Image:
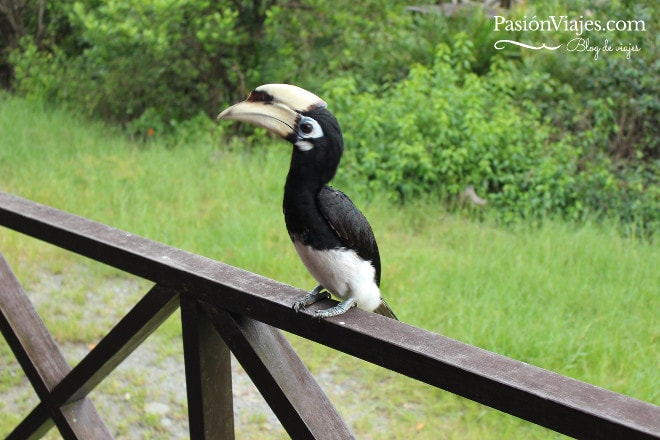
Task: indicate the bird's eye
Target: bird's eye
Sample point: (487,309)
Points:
(309,128)
(306,127)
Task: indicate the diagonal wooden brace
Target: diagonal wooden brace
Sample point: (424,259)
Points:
(280,375)
(45,366)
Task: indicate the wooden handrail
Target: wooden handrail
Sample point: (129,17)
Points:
(246,310)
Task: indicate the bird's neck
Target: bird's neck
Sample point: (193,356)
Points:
(307,175)
(306,183)
(299,205)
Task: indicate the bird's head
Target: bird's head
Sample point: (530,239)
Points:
(300,117)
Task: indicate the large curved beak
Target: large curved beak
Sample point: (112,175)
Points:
(276,118)
(275,107)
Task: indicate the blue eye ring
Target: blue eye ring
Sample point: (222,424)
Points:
(309,128)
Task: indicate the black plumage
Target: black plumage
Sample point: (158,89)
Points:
(350,225)
(332,237)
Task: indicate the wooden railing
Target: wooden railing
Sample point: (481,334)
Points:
(225,309)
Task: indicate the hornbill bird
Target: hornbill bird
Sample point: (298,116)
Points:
(332,237)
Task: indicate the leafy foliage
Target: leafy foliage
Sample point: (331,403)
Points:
(157,62)
(428,105)
(444,127)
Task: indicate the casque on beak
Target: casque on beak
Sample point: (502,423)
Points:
(275,107)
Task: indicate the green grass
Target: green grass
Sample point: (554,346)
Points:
(579,300)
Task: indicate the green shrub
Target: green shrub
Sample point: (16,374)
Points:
(159,62)
(40,75)
(444,127)
(607,110)
(157,56)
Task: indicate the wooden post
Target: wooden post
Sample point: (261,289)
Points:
(208,376)
(281,376)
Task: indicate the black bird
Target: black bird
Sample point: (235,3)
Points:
(332,237)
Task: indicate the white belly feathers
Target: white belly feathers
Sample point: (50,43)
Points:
(343,273)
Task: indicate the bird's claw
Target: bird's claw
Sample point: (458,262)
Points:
(315,295)
(297,306)
(318,294)
(339,309)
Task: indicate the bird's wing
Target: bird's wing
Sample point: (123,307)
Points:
(350,225)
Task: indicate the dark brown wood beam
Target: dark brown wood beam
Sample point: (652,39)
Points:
(208,376)
(142,320)
(557,402)
(282,378)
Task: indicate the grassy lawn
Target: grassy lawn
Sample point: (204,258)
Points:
(579,300)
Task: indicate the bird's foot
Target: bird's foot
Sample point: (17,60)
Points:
(315,295)
(339,309)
